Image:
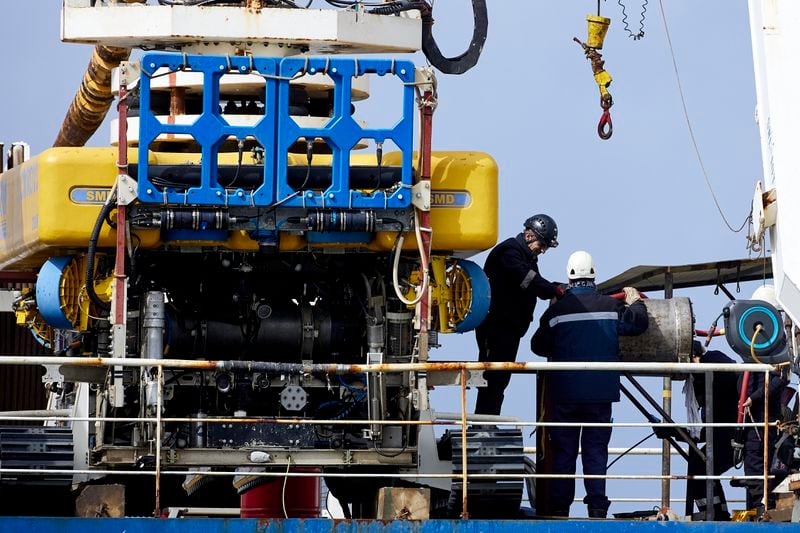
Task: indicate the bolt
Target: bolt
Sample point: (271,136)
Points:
(152,65)
(242,68)
(240,194)
(403,72)
(219,193)
(149,191)
(309,195)
(130,189)
(419,195)
(399,196)
(222,67)
(334,70)
(331,195)
(426,206)
(313,71)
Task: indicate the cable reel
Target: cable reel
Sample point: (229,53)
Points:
(754,329)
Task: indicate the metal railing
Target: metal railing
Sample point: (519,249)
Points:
(342,369)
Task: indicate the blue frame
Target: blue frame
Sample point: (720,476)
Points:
(210,129)
(277,131)
(342,133)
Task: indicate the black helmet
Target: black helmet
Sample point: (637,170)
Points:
(545,229)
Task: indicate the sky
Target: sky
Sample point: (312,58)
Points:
(531,102)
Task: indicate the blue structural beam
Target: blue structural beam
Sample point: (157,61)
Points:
(154,525)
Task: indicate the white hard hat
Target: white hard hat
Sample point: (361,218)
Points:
(580,266)
(766,293)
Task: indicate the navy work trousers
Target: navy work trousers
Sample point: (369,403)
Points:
(593,441)
(754,466)
(723,461)
(495,345)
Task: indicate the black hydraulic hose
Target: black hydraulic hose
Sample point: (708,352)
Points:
(98,225)
(462,63)
(626,452)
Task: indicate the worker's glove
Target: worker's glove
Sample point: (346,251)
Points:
(561,289)
(664,433)
(661,431)
(631,295)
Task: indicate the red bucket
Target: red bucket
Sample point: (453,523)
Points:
(301,497)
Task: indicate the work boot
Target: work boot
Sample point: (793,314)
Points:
(598,513)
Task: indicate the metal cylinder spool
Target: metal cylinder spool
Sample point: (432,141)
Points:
(668,338)
(399,335)
(153,325)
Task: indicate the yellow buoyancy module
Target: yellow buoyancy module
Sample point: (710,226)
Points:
(48,205)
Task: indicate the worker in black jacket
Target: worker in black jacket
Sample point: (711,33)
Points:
(584,326)
(513,271)
(725,393)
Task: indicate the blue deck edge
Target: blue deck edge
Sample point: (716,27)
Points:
(200,525)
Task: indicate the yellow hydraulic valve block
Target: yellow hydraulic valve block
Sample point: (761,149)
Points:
(27,314)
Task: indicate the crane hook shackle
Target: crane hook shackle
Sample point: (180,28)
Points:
(605,128)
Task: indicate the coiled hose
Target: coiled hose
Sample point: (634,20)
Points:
(448,65)
(461,63)
(105,211)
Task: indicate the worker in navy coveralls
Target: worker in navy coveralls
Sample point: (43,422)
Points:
(584,326)
(513,271)
(754,437)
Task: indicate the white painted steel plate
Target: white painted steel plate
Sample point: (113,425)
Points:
(319,31)
(248,84)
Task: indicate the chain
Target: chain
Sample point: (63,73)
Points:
(640,34)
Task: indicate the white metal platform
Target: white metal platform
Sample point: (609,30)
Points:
(272,31)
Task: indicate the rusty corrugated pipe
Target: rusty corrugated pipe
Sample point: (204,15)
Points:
(93,99)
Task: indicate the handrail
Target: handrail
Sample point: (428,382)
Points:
(337,369)
(404,475)
(352,422)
